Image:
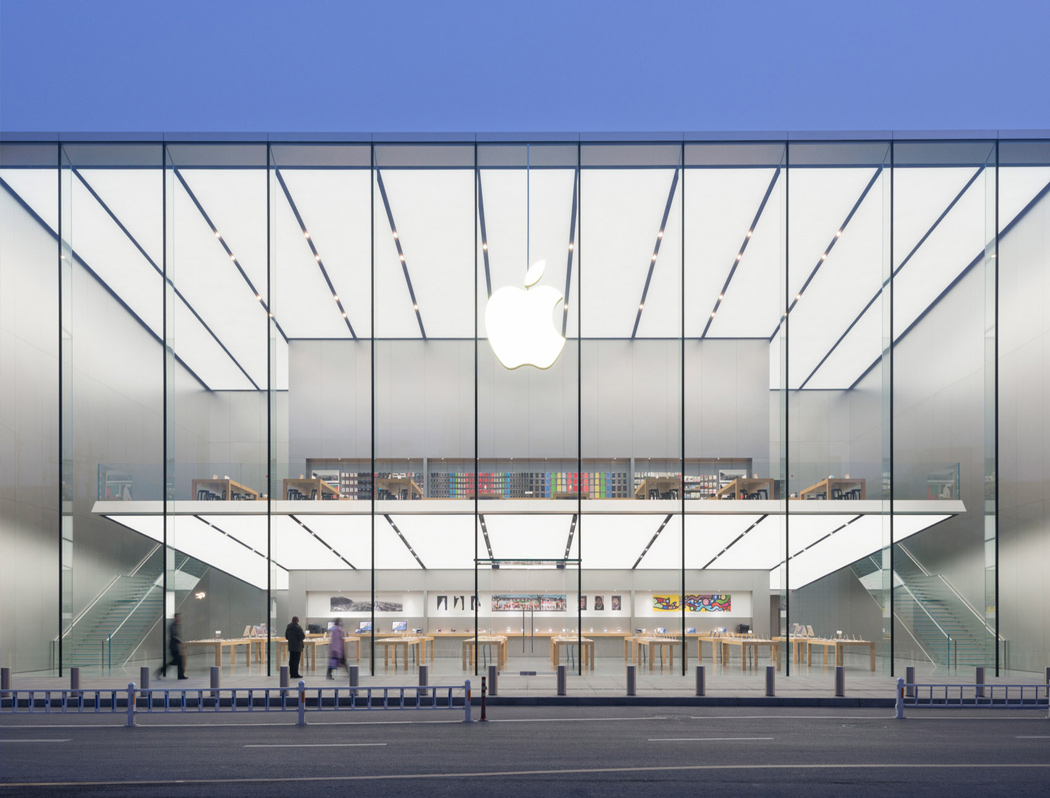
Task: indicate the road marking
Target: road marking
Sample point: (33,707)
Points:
(312,745)
(566,720)
(518,773)
(1034,737)
(34,741)
(702,739)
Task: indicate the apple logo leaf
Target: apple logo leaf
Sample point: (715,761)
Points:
(535,273)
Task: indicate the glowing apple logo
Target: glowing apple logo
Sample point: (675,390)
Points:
(520,325)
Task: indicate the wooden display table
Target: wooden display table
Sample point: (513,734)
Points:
(586,650)
(308,489)
(405,643)
(636,643)
(746,488)
(835,489)
(401,488)
(310,646)
(839,644)
(221,490)
(749,650)
(470,650)
(668,487)
(253,646)
(798,646)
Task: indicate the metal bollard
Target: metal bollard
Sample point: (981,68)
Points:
(493,674)
(216,671)
(1046,681)
(284,676)
(302,703)
(900,698)
(771,675)
(5,678)
(979,681)
(144,678)
(561,680)
(353,675)
(131,703)
(424,679)
(909,675)
(632,684)
(701,680)
(840,681)
(466,701)
(483,718)
(74,682)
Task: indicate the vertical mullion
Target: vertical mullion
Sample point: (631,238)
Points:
(786,387)
(889,349)
(61,412)
(681,422)
(995,410)
(270,321)
(164,403)
(372,409)
(477,210)
(579,416)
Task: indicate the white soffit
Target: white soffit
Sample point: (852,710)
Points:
(615,541)
(435,217)
(720,205)
(523,537)
(349,535)
(707,536)
(1017,187)
(621,218)
(441,541)
(136,198)
(335,205)
(761,548)
(38,188)
(527,219)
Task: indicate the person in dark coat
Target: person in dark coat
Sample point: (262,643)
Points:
(295,636)
(175,645)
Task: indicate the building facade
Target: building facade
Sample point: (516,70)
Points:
(525,388)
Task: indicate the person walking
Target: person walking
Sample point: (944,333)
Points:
(295,636)
(336,649)
(175,645)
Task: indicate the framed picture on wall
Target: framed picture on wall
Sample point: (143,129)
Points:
(583,602)
(599,604)
(616,604)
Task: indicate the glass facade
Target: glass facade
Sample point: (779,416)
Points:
(525,401)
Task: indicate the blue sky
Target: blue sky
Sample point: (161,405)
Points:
(264,66)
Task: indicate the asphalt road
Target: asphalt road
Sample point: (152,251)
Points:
(531,751)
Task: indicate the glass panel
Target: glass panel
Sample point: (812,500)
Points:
(31,508)
(217,534)
(837,527)
(940,402)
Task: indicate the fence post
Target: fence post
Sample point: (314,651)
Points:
(302,704)
(466,701)
(909,672)
(131,704)
(900,698)
(979,681)
(771,675)
(840,681)
(632,684)
(561,680)
(701,680)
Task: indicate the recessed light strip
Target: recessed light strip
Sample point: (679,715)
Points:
(400,252)
(656,251)
(735,540)
(740,252)
(827,250)
(229,252)
(572,532)
(235,539)
(652,540)
(485,535)
(322,541)
(160,271)
(484,237)
(313,250)
(895,273)
(408,545)
(572,249)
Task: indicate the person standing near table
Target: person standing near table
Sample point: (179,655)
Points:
(295,636)
(336,651)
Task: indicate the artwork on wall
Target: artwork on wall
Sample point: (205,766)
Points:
(718,602)
(583,602)
(344,604)
(442,602)
(515,602)
(617,604)
(599,604)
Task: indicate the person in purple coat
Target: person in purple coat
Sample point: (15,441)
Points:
(336,650)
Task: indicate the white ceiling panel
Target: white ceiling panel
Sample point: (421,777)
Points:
(1017,187)
(720,205)
(706,536)
(434,213)
(622,212)
(858,350)
(920,196)
(662,316)
(349,535)
(615,541)
(335,205)
(38,188)
(136,198)
(199,350)
(762,547)
(522,537)
(441,541)
(391,551)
